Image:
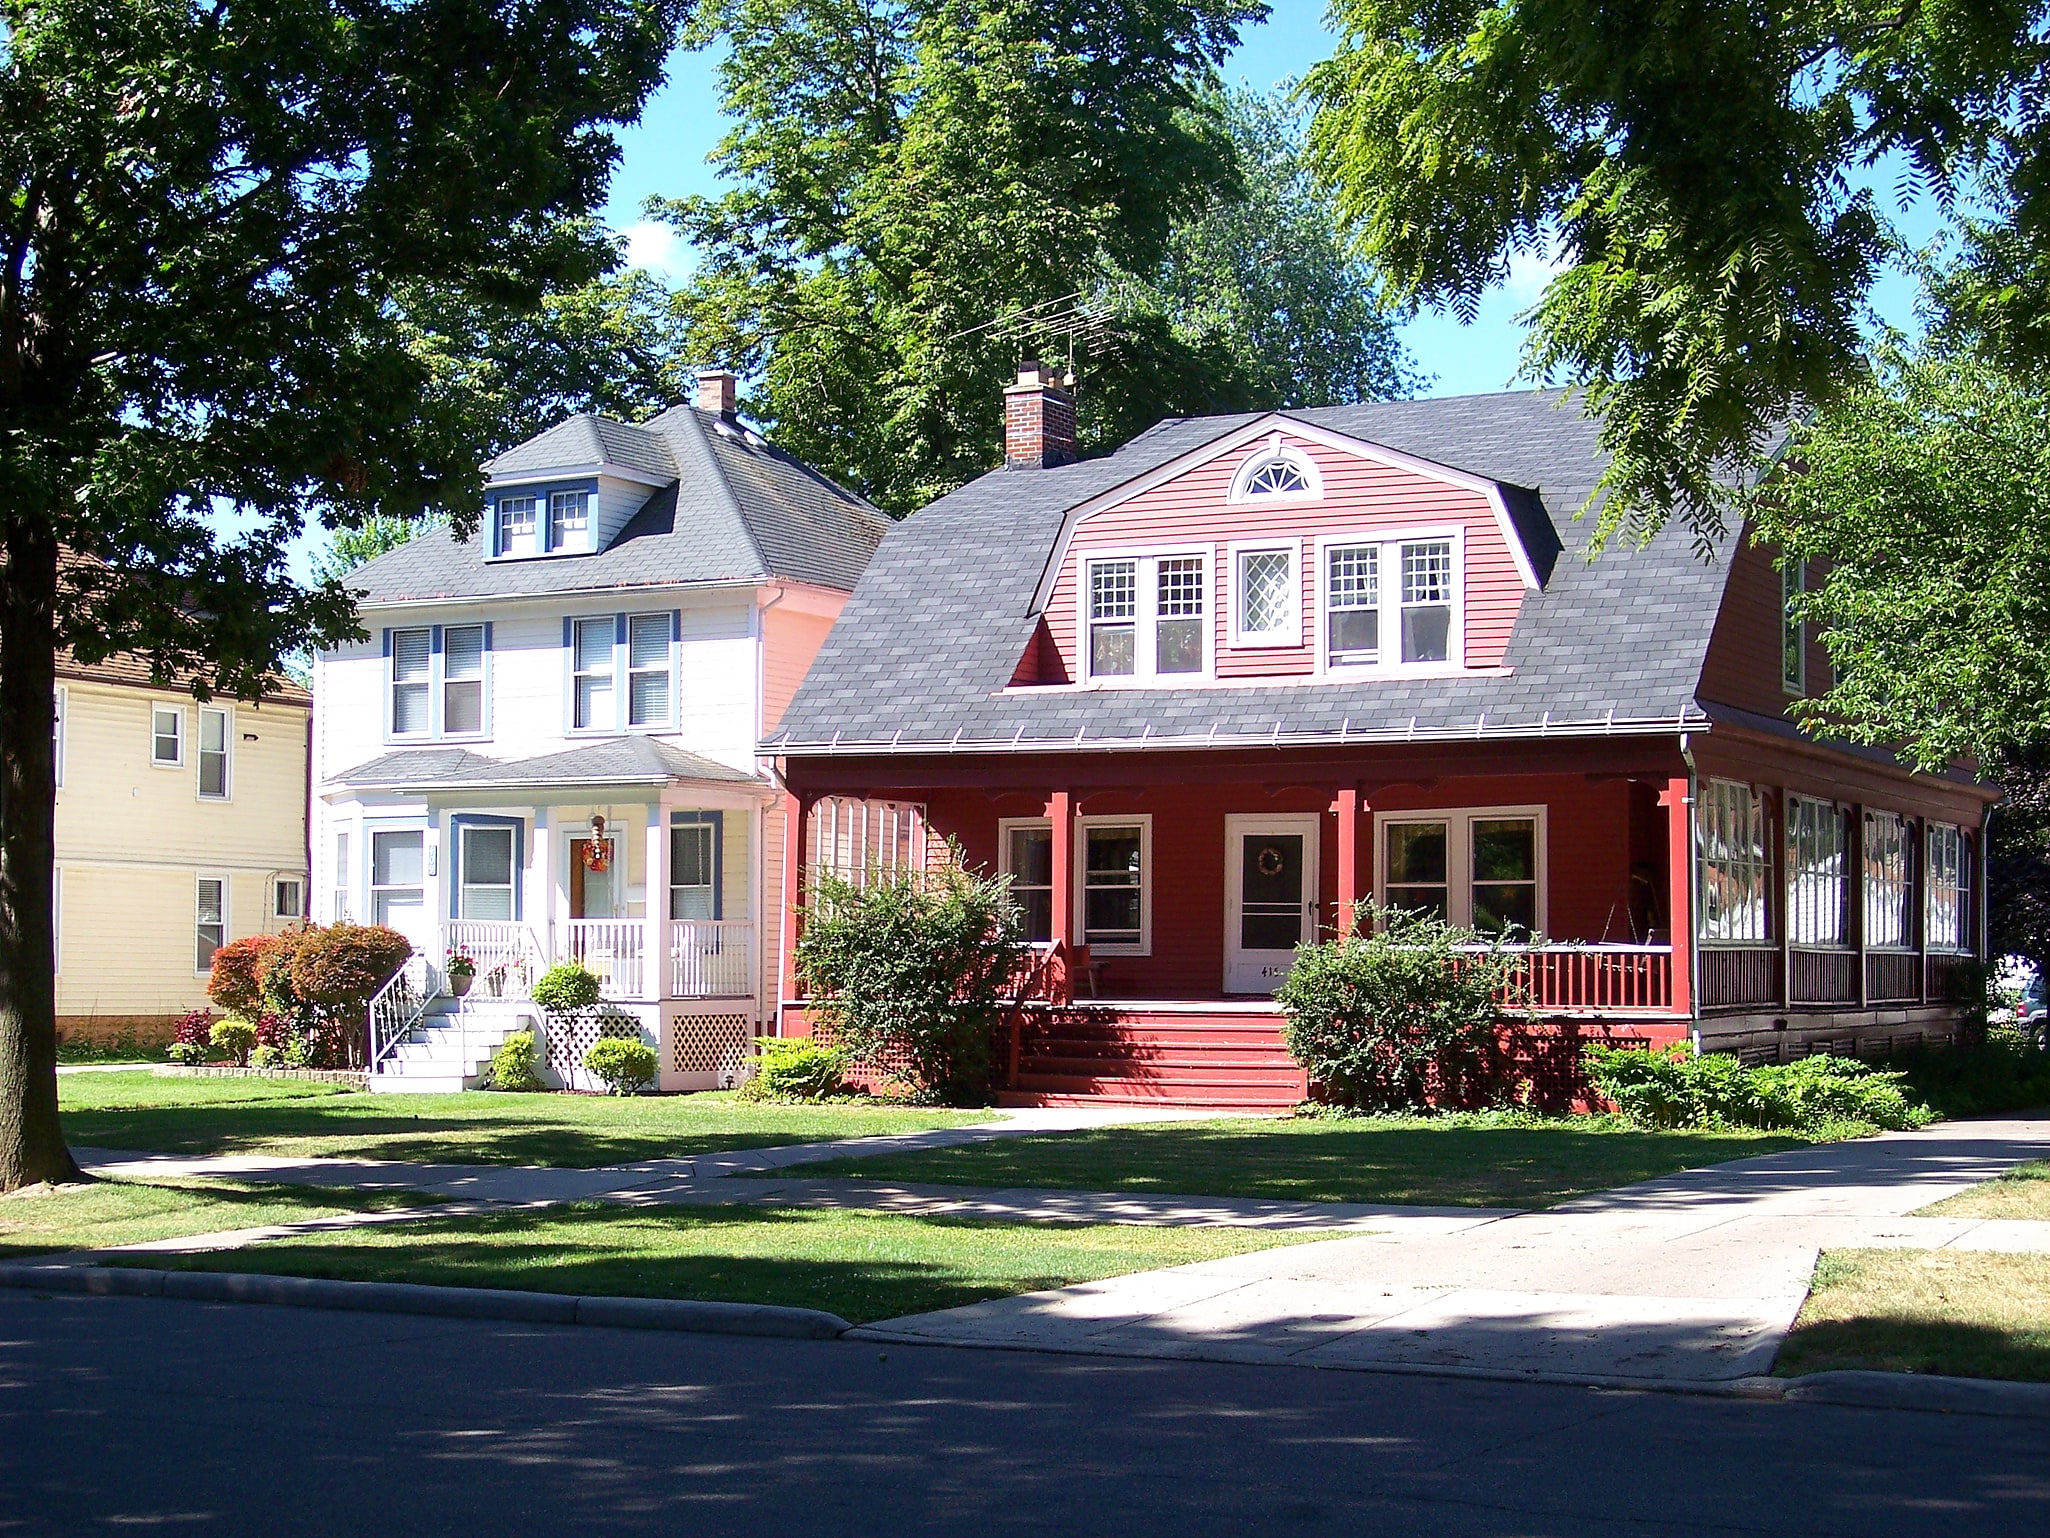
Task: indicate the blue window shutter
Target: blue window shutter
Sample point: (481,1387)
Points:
(434,640)
(676,625)
(718,822)
(387,641)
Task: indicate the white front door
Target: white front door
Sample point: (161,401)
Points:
(1270,902)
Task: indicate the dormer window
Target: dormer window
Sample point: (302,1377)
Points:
(1427,601)
(1391,603)
(1147,615)
(518,521)
(569,520)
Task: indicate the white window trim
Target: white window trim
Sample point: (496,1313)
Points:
(227,716)
(1275,449)
(275,883)
(626,709)
(1290,638)
(1005,825)
(430,882)
(391,684)
(1389,577)
(617,725)
(342,889)
(555,543)
(499,552)
(1144,646)
(61,709)
(1793,580)
(1143,821)
(178,713)
(1963,945)
(437,673)
(1459,821)
(227,923)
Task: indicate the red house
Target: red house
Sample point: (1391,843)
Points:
(1204,696)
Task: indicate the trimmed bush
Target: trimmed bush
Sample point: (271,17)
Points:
(1401,1015)
(516,1065)
(908,972)
(795,1069)
(235,1038)
(237,979)
(340,968)
(1822,1094)
(566,988)
(624,1066)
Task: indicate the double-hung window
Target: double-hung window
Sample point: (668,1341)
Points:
(57,737)
(1386,603)
(694,866)
(1949,864)
(342,906)
(1027,858)
(398,877)
(569,520)
(167,736)
(591,645)
(1818,872)
(288,898)
(518,525)
(1730,857)
(462,680)
(1889,883)
(1352,605)
(486,855)
(1114,885)
(210,920)
(412,666)
(647,670)
(1478,868)
(1427,601)
(213,754)
(1148,616)
(1267,598)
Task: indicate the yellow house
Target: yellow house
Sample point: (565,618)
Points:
(180,826)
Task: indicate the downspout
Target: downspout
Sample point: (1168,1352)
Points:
(1693,891)
(764,997)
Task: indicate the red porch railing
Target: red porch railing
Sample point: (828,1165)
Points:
(1566,979)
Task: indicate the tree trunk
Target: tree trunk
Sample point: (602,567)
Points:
(32,1145)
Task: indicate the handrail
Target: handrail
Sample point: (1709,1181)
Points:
(397,1007)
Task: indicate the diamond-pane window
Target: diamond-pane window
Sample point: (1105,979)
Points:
(1267,596)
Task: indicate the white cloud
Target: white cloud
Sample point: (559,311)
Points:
(658,248)
(1530,271)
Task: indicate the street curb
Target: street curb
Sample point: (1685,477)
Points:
(1922,1391)
(447,1302)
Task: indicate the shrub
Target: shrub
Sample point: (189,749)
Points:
(566,988)
(237,979)
(1822,1094)
(516,1065)
(910,969)
(1404,1013)
(2005,1072)
(261,1056)
(235,1038)
(624,1066)
(340,968)
(193,1041)
(795,1069)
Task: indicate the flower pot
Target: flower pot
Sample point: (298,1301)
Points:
(459,982)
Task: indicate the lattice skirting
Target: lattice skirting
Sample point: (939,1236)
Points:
(710,1044)
(569,1039)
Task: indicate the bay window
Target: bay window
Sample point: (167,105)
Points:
(342,907)
(1889,883)
(1818,853)
(1730,860)
(1147,616)
(1949,906)
(591,644)
(1480,868)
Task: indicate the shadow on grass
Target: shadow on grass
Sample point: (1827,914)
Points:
(91,1213)
(1951,1347)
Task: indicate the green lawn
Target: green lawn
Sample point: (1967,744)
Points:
(2023,1192)
(291,1117)
(1461,1162)
(99,1213)
(859,1265)
(1963,1312)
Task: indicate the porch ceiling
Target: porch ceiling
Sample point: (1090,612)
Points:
(638,761)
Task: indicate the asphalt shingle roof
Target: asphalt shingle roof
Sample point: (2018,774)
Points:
(734,509)
(925,648)
(615,761)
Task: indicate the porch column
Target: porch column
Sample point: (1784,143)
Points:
(1679,805)
(655,909)
(1347,806)
(795,808)
(1060,812)
(539,911)
(1854,866)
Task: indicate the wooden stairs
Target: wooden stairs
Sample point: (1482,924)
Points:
(1098,1054)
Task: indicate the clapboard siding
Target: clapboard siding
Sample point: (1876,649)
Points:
(1361,496)
(1742,664)
(790,639)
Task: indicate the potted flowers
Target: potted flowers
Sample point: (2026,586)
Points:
(461,968)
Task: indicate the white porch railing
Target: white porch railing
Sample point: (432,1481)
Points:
(708,959)
(611,949)
(398,1005)
(509,956)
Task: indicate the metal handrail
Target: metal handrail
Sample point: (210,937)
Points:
(398,1006)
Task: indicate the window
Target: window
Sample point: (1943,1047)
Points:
(1950,888)
(1481,868)
(853,838)
(1427,601)
(1147,616)
(167,736)
(1729,844)
(1113,885)
(211,920)
(1889,883)
(517,518)
(694,866)
(412,659)
(591,658)
(1277,478)
(1793,650)
(342,907)
(57,738)
(213,754)
(647,670)
(288,898)
(462,680)
(485,864)
(1027,858)
(398,870)
(1267,607)
(1352,605)
(1276,471)
(569,520)
(1818,838)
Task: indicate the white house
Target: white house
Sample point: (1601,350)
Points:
(545,748)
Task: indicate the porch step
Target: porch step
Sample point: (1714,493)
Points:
(1234,1061)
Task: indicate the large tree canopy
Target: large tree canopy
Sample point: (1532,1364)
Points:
(911,175)
(1700,170)
(208,216)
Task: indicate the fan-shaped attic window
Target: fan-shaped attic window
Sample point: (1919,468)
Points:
(1276,471)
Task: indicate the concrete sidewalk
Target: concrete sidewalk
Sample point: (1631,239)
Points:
(1694,1277)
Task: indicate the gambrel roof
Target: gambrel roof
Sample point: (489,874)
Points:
(923,655)
(731,507)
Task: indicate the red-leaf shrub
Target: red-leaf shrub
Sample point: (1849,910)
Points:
(196,1029)
(236,983)
(338,969)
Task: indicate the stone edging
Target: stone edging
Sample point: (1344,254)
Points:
(352,1076)
(447,1302)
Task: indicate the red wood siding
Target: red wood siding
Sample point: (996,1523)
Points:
(1360,496)
(1742,667)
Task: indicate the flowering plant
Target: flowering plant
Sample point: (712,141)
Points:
(461,963)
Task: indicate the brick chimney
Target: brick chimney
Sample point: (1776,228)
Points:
(1039,419)
(718,391)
